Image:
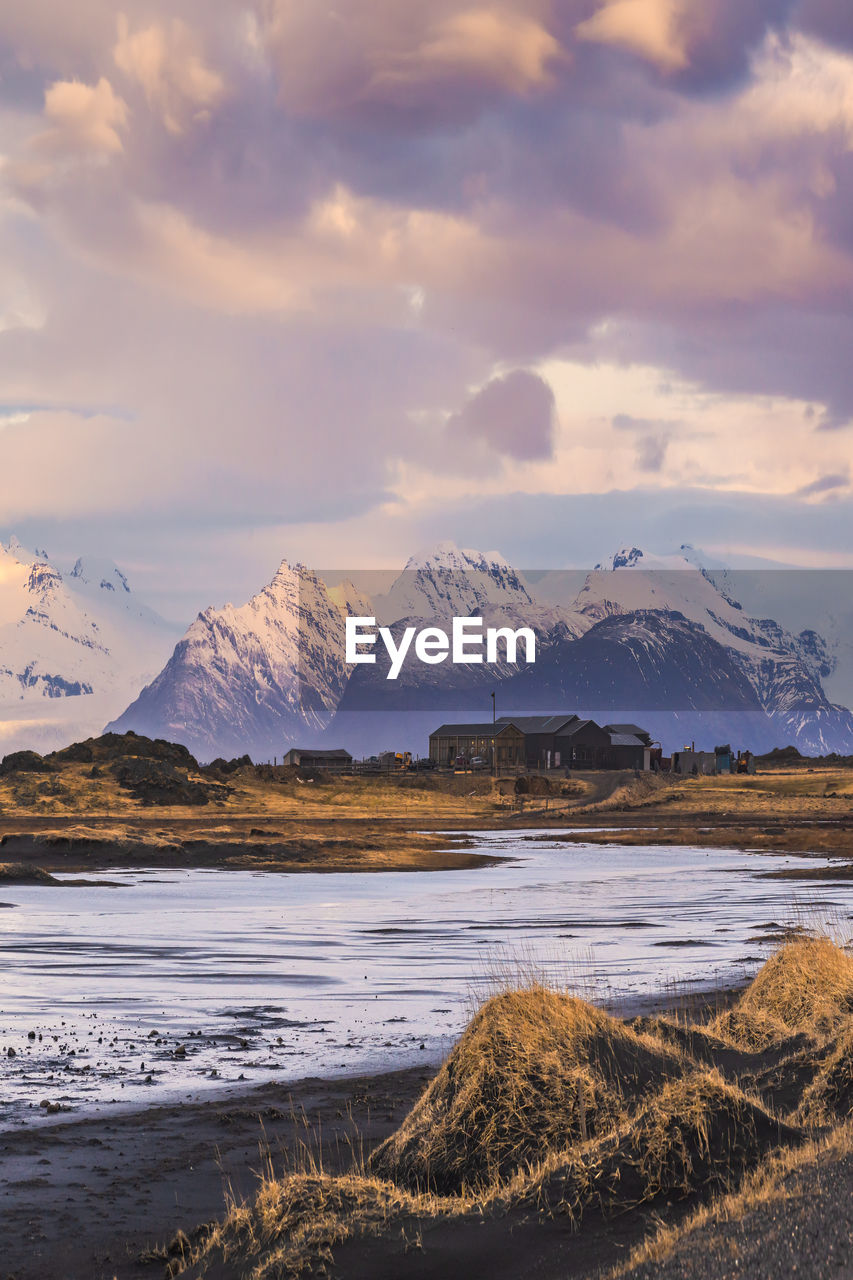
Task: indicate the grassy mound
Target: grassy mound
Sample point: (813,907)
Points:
(293,1224)
(829,1098)
(696,1137)
(806,987)
(535,1070)
(20,873)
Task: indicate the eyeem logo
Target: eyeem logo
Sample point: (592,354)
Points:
(465,644)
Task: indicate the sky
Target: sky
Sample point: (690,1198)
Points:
(286,279)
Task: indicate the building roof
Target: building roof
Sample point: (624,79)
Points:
(627,728)
(487,730)
(626,740)
(576,726)
(322,753)
(538,724)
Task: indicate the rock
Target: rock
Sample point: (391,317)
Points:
(120,746)
(161,782)
(24,762)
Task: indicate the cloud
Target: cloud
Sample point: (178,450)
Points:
(509,50)
(694,45)
(514,414)
(82,120)
(650,28)
(830,20)
(164,60)
(270,247)
(651,453)
(825,485)
(435,61)
(627,422)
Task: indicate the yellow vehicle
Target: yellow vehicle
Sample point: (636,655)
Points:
(396,761)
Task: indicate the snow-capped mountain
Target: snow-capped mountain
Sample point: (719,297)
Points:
(450,582)
(663,636)
(433,589)
(816,602)
(255,678)
(656,668)
(784,669)
(73,647)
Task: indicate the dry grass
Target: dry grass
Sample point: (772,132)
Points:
(536,1070)
(772,1180)
(548,1105)
(294,1223)
(829,1097)
(777,795)
(806,988)
(695,1136)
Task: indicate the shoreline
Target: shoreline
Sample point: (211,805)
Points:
(87,1197)
(332,845)
(84,1198)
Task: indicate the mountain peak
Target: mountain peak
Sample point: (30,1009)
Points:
(16,549)
(447,555)
(100,573)
(628,558)
(633,557)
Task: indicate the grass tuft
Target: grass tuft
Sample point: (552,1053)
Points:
(805,988)
(536,1070)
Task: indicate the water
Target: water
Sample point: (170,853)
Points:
(183,981)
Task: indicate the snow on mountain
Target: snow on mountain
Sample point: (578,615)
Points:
(73,648)
(351,600)
(785,669)
(449,582)
(254,678)
(810,603)
(272,672)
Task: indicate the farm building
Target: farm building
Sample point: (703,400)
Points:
(698,762)
(336,759)
(500,744)
(627,751)
(633,730)
(561,741)
(543,744)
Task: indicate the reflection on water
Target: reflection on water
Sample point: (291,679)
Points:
(182,980)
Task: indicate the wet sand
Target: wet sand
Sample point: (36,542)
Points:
(86,1200)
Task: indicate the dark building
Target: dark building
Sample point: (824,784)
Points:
(564,741)
(336,759)
(585,745)
(633,729)
(541,748)
(627,751)
(499,745)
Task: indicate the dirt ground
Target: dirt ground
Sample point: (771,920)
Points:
(409,822)
(85,1200)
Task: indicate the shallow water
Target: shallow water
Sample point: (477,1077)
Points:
(264,976)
